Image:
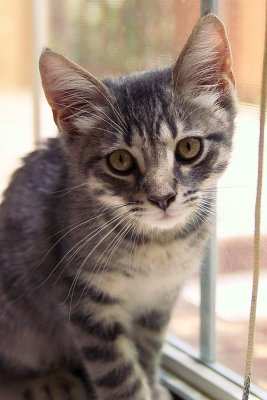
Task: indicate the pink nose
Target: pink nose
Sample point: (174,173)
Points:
(162,202)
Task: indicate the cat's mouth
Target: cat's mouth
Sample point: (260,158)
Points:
(166,216)
(162,219)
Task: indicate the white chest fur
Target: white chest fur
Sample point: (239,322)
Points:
(157,274)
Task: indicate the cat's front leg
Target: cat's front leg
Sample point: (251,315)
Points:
(149,334)
(110,358)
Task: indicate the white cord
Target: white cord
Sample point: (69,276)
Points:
(256,270)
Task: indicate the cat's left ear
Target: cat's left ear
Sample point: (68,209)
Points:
(205,62)
(70,90)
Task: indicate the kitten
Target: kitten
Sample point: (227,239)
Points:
(100,228)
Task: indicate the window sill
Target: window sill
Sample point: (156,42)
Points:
(190,379)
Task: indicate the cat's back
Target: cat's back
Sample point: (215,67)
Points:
(34,182)
(26,211)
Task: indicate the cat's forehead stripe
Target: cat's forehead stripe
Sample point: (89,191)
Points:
(165,132)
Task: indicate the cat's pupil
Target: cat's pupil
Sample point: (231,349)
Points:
(188,145)
(121,159)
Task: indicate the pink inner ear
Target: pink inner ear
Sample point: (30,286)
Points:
(206,58)
(225,52)
(69,88)
(222,67)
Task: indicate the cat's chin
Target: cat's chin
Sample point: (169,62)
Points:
(163,221)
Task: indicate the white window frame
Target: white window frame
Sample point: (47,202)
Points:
(187,376)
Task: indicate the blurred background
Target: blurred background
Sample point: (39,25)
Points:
(113,37)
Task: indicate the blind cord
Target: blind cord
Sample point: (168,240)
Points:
(256,270)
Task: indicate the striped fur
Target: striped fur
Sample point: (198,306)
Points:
(92,260)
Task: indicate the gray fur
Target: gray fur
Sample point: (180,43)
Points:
(90,268)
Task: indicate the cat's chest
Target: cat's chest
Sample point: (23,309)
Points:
(153,275)
(151,289)
(157,257)
(163,270)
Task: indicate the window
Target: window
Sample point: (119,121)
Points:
(117,37)
(235,224)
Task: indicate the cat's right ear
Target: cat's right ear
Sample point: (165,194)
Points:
(205,63)
(70,90)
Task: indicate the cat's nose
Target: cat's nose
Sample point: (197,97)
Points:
(162,202)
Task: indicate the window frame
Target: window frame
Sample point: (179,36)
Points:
(195,376)
(190,378)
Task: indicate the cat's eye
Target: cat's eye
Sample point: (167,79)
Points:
(188,149)
(121,161)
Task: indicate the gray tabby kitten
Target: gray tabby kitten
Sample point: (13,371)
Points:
(100,228)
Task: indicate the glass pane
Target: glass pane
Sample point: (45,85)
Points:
(236,199)
(119,36)
(235,226)
(235,219)
(235,204)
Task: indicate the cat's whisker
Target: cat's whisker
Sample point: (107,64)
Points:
(72,288)
(88,211)
(67,233)
(100,110)
(80,111)
(211,214)
(206,213)
(218,188)
(116,245)
(139,234)
(134,230)
(195,224)
(206,221)
(104,210)
(84,292)
(117,112)
(107,116)
(101,258)
(143,236)
(209,197)
(85,239)
(67,190)
(69,259)
(112,124)
(97,128)
(207,207)
(84,242)
(209,202)
(214,209)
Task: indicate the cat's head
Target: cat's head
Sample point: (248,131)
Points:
(156,141)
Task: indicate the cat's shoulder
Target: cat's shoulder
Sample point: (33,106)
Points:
(32,185)
(40,170)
